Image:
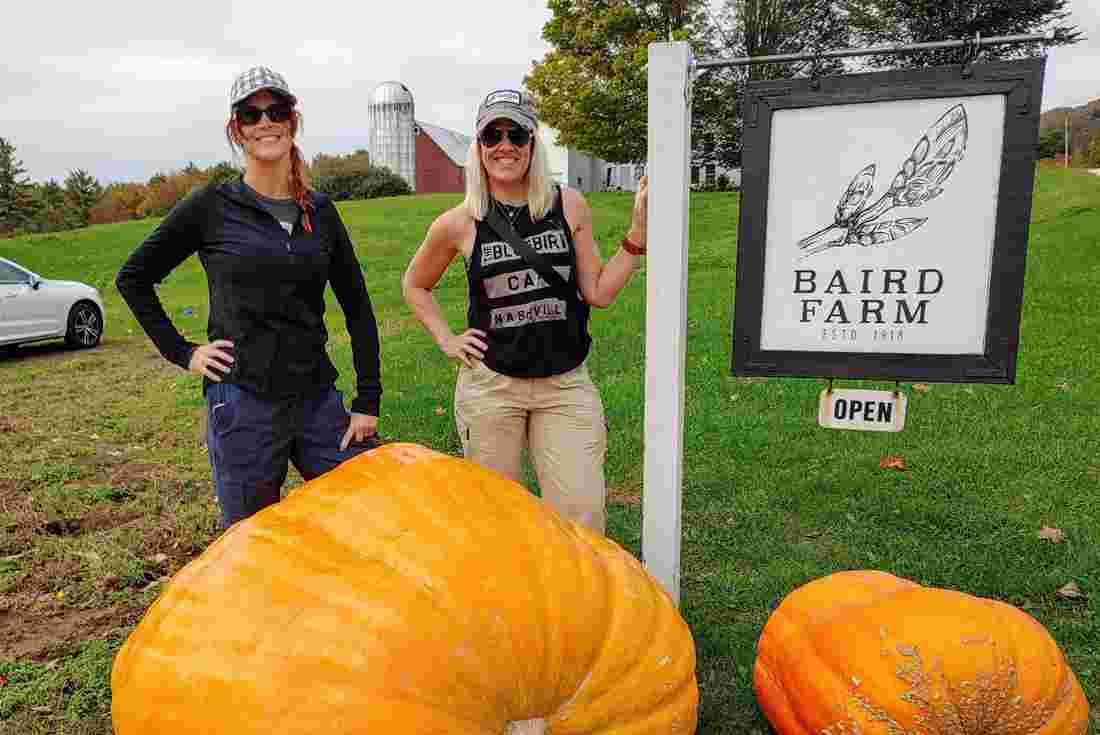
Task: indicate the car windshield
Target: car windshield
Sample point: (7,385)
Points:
(10,274)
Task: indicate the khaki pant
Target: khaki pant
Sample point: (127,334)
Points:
(560,419)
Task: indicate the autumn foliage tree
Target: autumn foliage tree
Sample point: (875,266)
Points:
(351,176)
(325,164)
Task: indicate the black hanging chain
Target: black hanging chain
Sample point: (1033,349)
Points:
(510,212)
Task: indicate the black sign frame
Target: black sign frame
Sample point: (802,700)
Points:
(1021,82)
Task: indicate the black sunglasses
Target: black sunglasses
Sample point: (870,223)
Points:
(277,112)
(517,136)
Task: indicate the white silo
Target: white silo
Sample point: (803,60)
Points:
(392,130)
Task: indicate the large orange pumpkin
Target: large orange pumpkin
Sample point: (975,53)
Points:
(408,592)
(867,652)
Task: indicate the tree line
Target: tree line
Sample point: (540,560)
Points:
(592,85)
(81,200)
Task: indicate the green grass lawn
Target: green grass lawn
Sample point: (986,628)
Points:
(104,445)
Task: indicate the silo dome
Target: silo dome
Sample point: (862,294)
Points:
(390,93)
(391,138)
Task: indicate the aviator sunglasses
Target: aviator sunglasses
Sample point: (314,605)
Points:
(277,112)
(517,136)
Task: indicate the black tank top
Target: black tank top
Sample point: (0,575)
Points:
(534,329)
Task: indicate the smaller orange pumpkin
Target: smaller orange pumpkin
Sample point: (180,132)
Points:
(869,653)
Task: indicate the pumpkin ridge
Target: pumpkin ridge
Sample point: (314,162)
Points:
(534,539)
(640,709)
(591,574)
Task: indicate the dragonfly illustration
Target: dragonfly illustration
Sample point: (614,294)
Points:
(919,181)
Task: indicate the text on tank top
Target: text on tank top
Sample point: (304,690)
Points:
(534,328)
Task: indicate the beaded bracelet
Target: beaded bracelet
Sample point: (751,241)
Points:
(632,248)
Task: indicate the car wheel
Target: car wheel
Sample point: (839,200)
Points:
(85,325)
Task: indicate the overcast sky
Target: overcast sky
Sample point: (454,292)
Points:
(124,89)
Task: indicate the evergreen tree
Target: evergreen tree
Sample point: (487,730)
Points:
(221,172)
(83,191)
(55,213)
(17,205)
(1051,143)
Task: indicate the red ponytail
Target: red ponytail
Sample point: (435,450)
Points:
(298,187)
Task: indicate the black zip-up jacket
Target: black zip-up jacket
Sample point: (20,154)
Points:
(267,292)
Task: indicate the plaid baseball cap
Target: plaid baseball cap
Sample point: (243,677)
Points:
(510,104)
(255,79)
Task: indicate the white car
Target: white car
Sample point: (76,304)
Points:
(33,308)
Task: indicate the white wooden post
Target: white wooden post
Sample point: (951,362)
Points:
(669,148)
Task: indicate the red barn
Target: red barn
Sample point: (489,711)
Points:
(440,159)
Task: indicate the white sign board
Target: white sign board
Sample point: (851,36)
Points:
(881,226)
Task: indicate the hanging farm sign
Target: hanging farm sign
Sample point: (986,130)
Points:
(884,224)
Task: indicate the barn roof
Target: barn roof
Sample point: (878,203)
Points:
(450,142)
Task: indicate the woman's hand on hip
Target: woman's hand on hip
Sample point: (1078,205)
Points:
(207,359)
(360,428)
(468,347)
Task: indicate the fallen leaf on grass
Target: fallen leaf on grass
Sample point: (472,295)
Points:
(1071,592)
(921,387)
(440,411)
(890,462)
(1056,535)
(1063,387)
(3,680)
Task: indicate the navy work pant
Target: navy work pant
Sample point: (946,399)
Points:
(251,439)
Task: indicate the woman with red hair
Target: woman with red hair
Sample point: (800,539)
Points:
(269,246)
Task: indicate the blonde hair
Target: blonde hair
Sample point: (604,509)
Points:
(540,187)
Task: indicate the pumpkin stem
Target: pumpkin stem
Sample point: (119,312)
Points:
(526,727)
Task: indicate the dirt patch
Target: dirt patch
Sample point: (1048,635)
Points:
(13,424)
(43,630)
(10,493)
(629,494)
(99,519)
(136,475)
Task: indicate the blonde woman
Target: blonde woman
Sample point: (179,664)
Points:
(269,246)
(523,379)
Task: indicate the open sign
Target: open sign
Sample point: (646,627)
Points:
(862,410)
